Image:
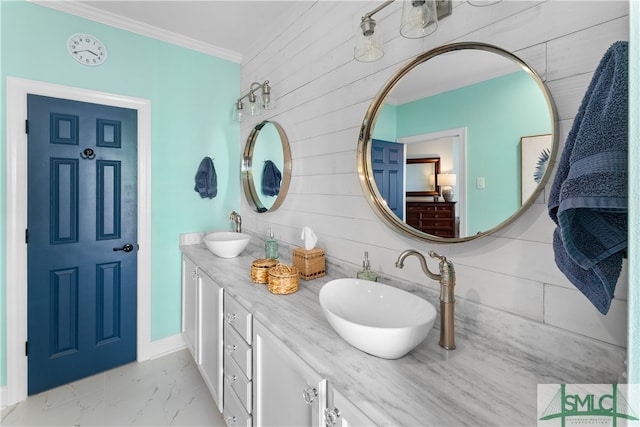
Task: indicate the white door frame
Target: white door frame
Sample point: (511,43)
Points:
(16,292)
(461,134)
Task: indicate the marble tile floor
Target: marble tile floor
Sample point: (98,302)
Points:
(167,391)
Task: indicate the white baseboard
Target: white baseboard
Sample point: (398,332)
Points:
(166,345)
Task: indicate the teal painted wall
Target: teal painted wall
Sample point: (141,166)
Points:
(191,96)
(511,103)
(386,123)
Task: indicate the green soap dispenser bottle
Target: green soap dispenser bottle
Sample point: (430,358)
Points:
(271,246)
(366,273)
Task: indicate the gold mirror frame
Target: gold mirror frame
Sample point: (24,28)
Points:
(250,191)
(365,170)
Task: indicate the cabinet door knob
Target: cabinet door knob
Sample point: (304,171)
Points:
(231,348)
(231,420)
(230,378)
(331,416)
(309,395)
(230,317)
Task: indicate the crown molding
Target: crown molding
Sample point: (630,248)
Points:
(131,25)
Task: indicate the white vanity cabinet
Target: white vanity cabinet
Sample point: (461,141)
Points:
(341,412)
(238,364)
(202,300)
(287,392)
(254,378)
(190,305)
(210,336)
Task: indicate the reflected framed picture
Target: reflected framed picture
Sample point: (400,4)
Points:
(534,158)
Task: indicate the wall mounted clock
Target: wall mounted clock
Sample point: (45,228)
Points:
(87,49)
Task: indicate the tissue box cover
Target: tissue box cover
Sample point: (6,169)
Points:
(310,263)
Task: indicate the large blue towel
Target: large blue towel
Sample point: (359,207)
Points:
(588,198)
(206,179)
(271,178)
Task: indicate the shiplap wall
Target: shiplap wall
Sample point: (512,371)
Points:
(322,96)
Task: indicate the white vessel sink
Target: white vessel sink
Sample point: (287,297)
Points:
(378,319)
(226,244)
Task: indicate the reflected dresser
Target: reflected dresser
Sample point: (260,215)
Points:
(435,218)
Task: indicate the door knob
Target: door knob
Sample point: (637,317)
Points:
(127,248)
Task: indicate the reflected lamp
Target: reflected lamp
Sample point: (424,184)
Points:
(446,181)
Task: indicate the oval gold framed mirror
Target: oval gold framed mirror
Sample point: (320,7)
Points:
(266,167)
(489,120)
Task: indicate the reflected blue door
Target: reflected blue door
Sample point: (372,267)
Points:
(82,214)
(387,163)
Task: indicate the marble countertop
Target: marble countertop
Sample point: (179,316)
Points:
(490,379)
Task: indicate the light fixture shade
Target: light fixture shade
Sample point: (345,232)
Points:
(368,42)
(253,109)
(447,179)
(267,101)
(238,113)
(419,18)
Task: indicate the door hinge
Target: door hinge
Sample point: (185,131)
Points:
(26,127)
(26,348)
(26,235)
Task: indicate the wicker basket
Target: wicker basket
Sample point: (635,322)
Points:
(283,279)
(310,263)
(260,270)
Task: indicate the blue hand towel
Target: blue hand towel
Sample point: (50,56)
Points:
(588,198)
(206,179)
(271,178)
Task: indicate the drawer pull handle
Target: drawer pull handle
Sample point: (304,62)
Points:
(231,348)
(230,317)
(309,395)
(331,416)
(231,420)
(230,379)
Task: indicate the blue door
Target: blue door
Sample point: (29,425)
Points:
(82,239)
(387,163)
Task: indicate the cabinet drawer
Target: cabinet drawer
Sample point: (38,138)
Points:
(237,349)
(238,317)
(419,208)
(236,379)
(234,413)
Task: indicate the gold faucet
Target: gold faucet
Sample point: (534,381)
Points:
(237,220)
(447,279)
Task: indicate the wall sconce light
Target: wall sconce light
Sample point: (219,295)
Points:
(254,105)
(419,19)
(446,181)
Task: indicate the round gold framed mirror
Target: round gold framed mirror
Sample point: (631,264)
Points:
(266,167)
(488,120)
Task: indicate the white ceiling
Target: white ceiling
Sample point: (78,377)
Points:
(231,25)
